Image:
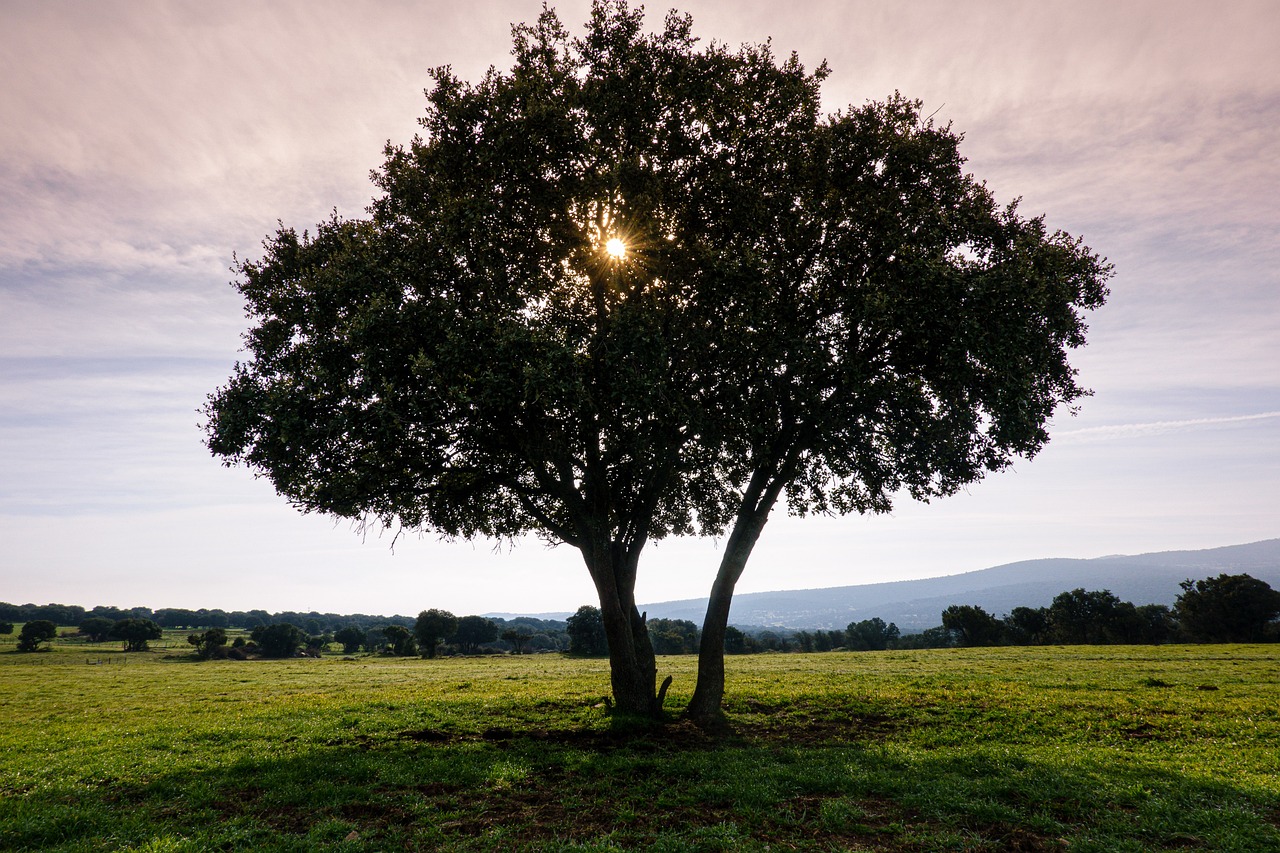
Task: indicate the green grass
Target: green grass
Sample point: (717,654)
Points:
(1109,748)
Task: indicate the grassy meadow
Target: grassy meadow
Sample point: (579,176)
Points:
(1079,748)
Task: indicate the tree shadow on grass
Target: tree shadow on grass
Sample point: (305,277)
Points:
(673,788)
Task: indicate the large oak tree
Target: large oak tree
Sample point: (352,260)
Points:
(636,288)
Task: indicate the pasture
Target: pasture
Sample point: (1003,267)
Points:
(1076,748)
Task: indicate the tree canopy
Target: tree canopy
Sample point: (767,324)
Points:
(433,626)
(635,288)
(1227,608)
(136,633)
(34,633)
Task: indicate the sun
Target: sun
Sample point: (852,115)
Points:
(616,249)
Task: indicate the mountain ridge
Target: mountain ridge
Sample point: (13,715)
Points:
(1149,578)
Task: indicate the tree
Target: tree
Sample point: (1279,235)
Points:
(870,635)
(632,289)
(97,628)
(1227,609)
(6,627)
(278,640)
(518,638)
(1158,624)
(352,638)
(473,632)
(400,641)
(1093,617)
(209,644)
(136,633)
(176,617)
(1027,626)
(673,636)
(735,642)
(972,625)
(586,632)
(34,633)
(432,627)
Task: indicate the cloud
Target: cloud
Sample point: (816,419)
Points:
(145,141)
(1141,430)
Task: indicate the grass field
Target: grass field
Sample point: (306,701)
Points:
(1083,748)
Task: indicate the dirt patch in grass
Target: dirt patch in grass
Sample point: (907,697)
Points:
(676,736)
(796,726)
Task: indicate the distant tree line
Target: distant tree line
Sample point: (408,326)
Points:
(433,632)
(1226,608)
(283,634)
(181,618)
(1222,609)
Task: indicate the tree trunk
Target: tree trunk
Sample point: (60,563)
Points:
(632,666)
(704,708)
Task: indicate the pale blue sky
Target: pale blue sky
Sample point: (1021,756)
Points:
(143,143)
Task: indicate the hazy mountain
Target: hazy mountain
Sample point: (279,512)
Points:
(915,605)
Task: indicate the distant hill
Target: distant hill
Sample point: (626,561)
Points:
(916,605)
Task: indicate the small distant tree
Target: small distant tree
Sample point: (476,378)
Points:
(1082,617)
(34,633)
(1158,624)
(6,627)
(473,632)
(972,625)
(870,635)
(97,628)
(209,644)
(352,638)
(212,618)
(432,627)
(586,632)
(317,643)
(735,642)
(1123,625)
(281,640)
(517,638)
(936,637)
(1027,626)
(136,633)
(176,617)
(673,636)
(400,641)
(1227,609)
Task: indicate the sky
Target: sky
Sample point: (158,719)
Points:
(145,144)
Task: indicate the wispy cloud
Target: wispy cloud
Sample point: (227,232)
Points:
(1140,430)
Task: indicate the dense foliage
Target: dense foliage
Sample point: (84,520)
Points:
(1228,608)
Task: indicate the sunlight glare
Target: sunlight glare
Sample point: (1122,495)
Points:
(616,248)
